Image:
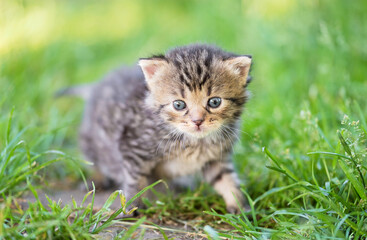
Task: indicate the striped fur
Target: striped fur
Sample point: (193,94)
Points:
(135,136)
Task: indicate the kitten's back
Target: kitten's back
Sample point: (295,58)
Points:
(119,84)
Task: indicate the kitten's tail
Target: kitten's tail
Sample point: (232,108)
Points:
(82,91)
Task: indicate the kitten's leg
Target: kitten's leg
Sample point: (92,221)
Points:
(224,180)
(132,184)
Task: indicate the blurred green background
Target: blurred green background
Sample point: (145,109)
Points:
(310,66)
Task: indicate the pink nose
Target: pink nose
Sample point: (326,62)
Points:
(198,122)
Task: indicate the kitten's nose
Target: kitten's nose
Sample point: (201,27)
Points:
(198,122)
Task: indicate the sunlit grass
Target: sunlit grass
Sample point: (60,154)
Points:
(340,198)
(22,170)
(302,162)
(34,26)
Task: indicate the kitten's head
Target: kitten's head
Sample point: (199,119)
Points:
(197,89)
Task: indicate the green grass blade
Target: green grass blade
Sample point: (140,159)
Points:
(8,130)
(278,190)
(345,145)
(329,154)
(119,211)
(126,235)
(361,117)
(142,192)
(92,205)
(356,184)
(281,167)
(212,234)
(273,158)
(252,206)
(352,158)
(9,156)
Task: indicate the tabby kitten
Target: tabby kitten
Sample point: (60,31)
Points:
(175,115)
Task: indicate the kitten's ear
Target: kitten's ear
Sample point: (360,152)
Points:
(239,66)
(151,66)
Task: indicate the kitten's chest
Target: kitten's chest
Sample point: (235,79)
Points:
(183,160)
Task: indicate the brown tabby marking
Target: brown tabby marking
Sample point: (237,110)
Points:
(135,133)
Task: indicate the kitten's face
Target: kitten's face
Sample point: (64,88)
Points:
(195,112)
(195,96)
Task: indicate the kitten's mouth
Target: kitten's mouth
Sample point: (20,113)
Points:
(199,132)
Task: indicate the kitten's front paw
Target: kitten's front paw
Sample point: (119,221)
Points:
(134,214)
(236,210)
(233,210)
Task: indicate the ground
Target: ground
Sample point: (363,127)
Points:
(172,229)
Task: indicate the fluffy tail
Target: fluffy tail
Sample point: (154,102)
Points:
(82,91)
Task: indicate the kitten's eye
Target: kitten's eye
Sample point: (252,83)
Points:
(179,104)
(214,102)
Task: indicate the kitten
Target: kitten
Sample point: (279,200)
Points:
(175,115)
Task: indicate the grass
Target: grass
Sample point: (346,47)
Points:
(334,208)
(20,172)
(302,155)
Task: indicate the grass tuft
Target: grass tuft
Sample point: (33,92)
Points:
(316,209)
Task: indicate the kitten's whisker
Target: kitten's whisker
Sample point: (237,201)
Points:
(233,132)
(220,142)
(170,143)
(169,140)
(174,142)
(249,135)
(181,149)
(228,135)
(164,138)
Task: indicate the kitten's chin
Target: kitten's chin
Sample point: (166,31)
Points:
(199,134)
